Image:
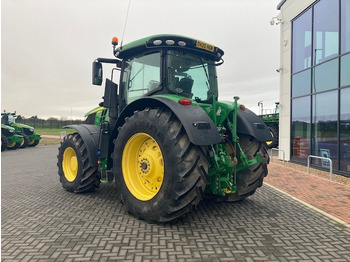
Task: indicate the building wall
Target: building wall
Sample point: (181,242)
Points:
(289,10)
(315,82)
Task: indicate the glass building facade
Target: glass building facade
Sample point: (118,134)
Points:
(320,84)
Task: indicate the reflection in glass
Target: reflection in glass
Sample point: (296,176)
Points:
(325,76)
(302,42)
(345,26)
(345,129)
(324,127)
(345,70)
(301,83)
(144,75)
(326,27)
(301,128)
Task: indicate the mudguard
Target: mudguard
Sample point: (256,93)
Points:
(250,124)
(199,127)
(90,135)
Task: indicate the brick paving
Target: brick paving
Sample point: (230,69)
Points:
(328,196)
(40,221)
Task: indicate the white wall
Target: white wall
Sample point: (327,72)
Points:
(289,10)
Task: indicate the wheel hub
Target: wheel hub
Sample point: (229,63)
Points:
(145,178)
(70,164)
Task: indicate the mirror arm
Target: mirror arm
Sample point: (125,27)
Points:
(117,62)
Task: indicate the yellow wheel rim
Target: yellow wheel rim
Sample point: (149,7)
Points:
(11,145)
(22,142)
(31,142)
(70,164)
(142,166)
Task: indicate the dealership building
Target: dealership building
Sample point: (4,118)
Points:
(315,81)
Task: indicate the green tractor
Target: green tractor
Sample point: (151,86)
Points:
(9,139)
(161,135)
(30,138)
(272,122)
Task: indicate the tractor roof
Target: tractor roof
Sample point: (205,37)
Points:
(170,41)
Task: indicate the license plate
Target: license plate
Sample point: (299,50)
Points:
(204,46)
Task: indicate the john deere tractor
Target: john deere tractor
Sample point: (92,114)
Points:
(161,135)
(9,139)
(272,122)
(30,138)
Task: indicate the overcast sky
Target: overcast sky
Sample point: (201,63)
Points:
(47,47)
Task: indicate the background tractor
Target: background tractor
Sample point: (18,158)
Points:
(30,138)
(9,138)
(272,122)
(162,136)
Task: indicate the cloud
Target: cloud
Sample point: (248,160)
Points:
(48,47)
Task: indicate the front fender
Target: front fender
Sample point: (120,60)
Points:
(90,135)
(199,127)
(250,124)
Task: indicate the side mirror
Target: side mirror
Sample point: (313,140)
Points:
(97,73)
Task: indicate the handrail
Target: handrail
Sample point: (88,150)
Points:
(276,149)
(323,158)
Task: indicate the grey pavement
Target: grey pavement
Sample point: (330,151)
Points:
(40,221)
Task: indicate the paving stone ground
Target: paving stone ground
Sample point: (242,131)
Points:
(40,221)
(330,197)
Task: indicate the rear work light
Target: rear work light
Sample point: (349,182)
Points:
(185,102)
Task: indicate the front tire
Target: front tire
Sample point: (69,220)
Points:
(4,142)
(74,168)
(33,143)
(13,145)
(160,175)
(274,134)
(25,140)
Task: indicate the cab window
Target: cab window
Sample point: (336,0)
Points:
(141,75)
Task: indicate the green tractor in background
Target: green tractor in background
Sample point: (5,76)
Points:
(9,139)
(30,138)
(272,122)
(161,135)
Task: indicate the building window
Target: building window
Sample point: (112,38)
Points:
(302,29)
(345,129)
(345,70)
(325,76)
(324,126)
(301,128)
(320,84)
(326,30)
(345,26)
(301,83)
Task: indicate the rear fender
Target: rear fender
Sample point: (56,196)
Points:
(90,135)
(199,127)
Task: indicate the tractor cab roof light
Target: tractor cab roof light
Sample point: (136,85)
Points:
(115,41)
(170,42)
(157,42)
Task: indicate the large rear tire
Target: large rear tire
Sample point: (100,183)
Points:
(249,179)
(3,142)
(76,173)
(160,175)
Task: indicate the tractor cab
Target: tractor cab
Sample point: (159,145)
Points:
(165,64)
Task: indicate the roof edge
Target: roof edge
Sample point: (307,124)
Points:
(280,4)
